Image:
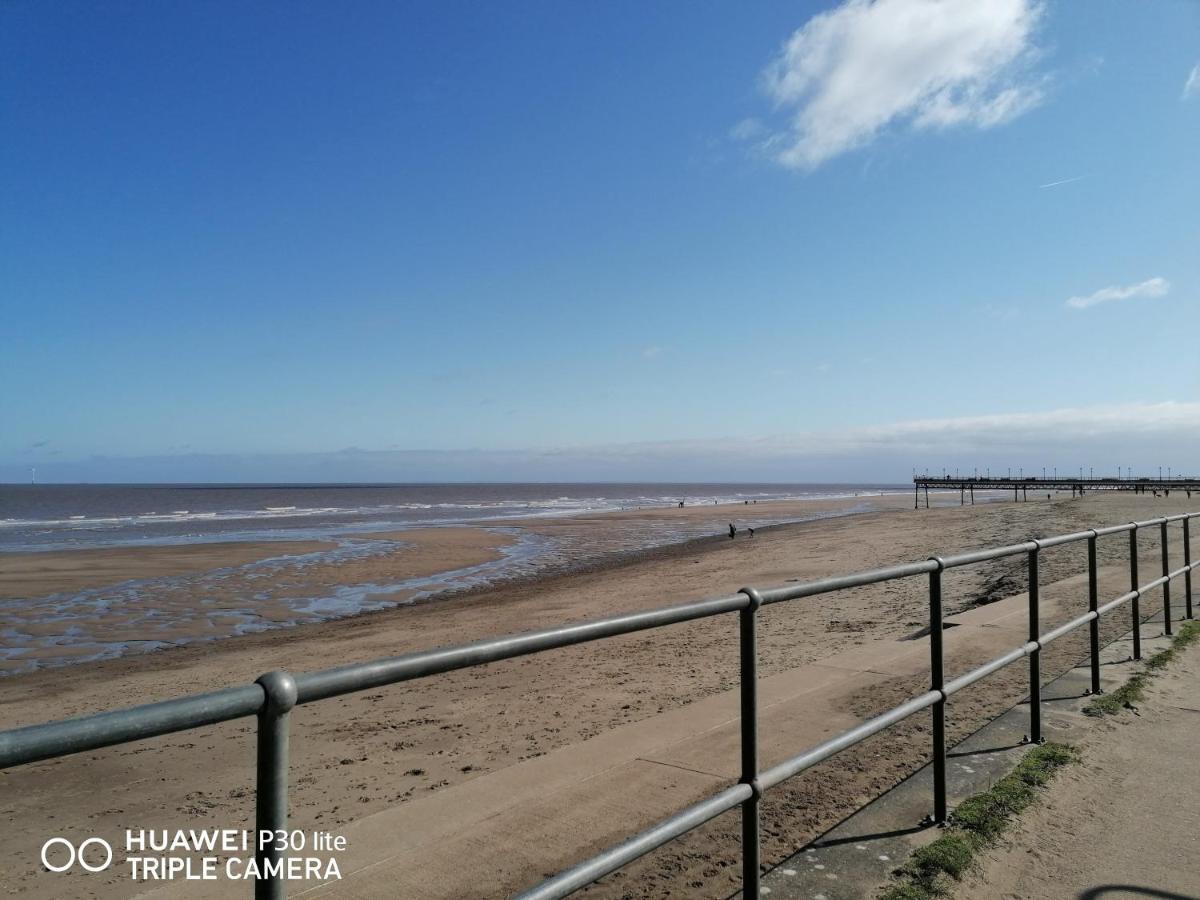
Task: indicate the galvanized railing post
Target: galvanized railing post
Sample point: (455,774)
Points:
(1166,570)
(1135,606)
(270,818)
(936,683)
(1093,605)
(748,670)
(1035,658)
(1187,562)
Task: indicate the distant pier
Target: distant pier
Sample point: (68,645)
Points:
(1021,485)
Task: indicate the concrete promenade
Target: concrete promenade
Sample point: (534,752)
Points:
(533,818)
(1126,823)
(520,823)
(856,858)
(546,813)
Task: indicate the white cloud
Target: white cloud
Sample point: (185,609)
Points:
(1051,184)
(1191,87)
(1100,428)
(1151,287)
(651,352)
(850,72)
(1051,426)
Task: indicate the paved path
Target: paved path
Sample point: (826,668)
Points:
(1126,823)
(505,830)
(536,817)
(856,858)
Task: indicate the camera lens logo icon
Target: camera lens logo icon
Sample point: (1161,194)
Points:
(55,850)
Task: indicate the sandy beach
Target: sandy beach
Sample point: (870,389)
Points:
(62,606)
(364,753)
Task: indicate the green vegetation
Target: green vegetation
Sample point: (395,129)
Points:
(931,870)
(1128,695)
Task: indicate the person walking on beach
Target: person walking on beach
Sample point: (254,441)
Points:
(732,531)
(751,530)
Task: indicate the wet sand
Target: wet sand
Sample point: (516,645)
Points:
(25,575)
(85,605)
(362,753)
(144,599)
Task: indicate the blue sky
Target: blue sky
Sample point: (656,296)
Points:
(713,240)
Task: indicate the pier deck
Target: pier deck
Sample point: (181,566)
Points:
(1022,485)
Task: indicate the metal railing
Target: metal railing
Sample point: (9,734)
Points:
(272,697)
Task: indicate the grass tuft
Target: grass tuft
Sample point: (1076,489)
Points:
(932,870)
(950,854)
(907,891)
(1133,691)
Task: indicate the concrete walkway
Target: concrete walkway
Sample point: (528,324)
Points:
(1126,823)
(527,821)
(534,818)
(521,823)
(856,858)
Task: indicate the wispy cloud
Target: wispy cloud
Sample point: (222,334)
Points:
(748,130)
(1191,87)
(1095,423)
(652,351)
(1064,181)
(1151,287)
(852,71)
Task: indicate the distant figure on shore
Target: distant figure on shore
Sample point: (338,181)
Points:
(732,531)
(751,530)
(681,504)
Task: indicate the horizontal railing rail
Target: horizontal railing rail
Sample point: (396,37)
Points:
(273,695)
